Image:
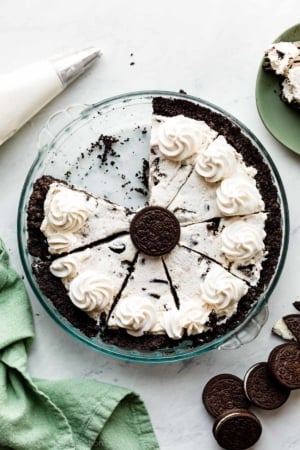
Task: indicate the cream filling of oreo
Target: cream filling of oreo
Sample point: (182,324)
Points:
(280,328)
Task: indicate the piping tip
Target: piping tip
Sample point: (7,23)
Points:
(71,65)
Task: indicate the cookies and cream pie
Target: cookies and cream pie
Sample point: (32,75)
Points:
(283,58)
(189,265)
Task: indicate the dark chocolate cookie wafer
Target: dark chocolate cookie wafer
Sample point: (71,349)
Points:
(284,363)
(238,429)
(297,305)
(155,230)
(262,389)
(224,392)
(292,321)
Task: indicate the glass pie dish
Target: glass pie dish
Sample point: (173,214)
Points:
(65,151)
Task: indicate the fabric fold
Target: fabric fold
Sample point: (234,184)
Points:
(69,414)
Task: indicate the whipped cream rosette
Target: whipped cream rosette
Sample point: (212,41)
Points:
(174,143)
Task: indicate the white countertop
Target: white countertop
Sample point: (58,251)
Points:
(212,50)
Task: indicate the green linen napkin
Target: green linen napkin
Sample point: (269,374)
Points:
(57,415)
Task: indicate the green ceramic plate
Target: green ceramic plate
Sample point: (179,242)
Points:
(282,121)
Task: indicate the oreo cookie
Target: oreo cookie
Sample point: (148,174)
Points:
(284,364)
(288,327)
(292,321)
(262,389)
(238,429)
(222,393)
(155,230)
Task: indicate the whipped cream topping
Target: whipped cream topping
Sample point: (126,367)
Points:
(190,318)
(205,238)
(243,242)
(179,137)
(147,282)
(237,196)
(92,293)
(73,218)
(171,323)
(93,277)
(137,315)
(221,291)
(291,85)
(61,242)
(69,266)
(218,161)
(66,210)
(281,56)
(193,318)
(210,287)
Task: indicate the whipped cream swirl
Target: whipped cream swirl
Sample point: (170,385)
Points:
(61,242)
(237,196)
(92,293)
(179,137)
(221,291)
(242,242)
(217,162)
(172,324)
(193,318)
(66,210)
(68,267)
(137,315)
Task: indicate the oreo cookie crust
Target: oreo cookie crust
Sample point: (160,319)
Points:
(222,393)
(284,363)
(237,430)
(262,389)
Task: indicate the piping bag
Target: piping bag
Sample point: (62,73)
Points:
(27,90)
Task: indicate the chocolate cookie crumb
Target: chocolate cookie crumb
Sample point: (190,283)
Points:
(297,305)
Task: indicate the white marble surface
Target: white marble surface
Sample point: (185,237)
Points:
(211,49)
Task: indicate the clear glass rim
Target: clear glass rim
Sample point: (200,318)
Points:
(151,357)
